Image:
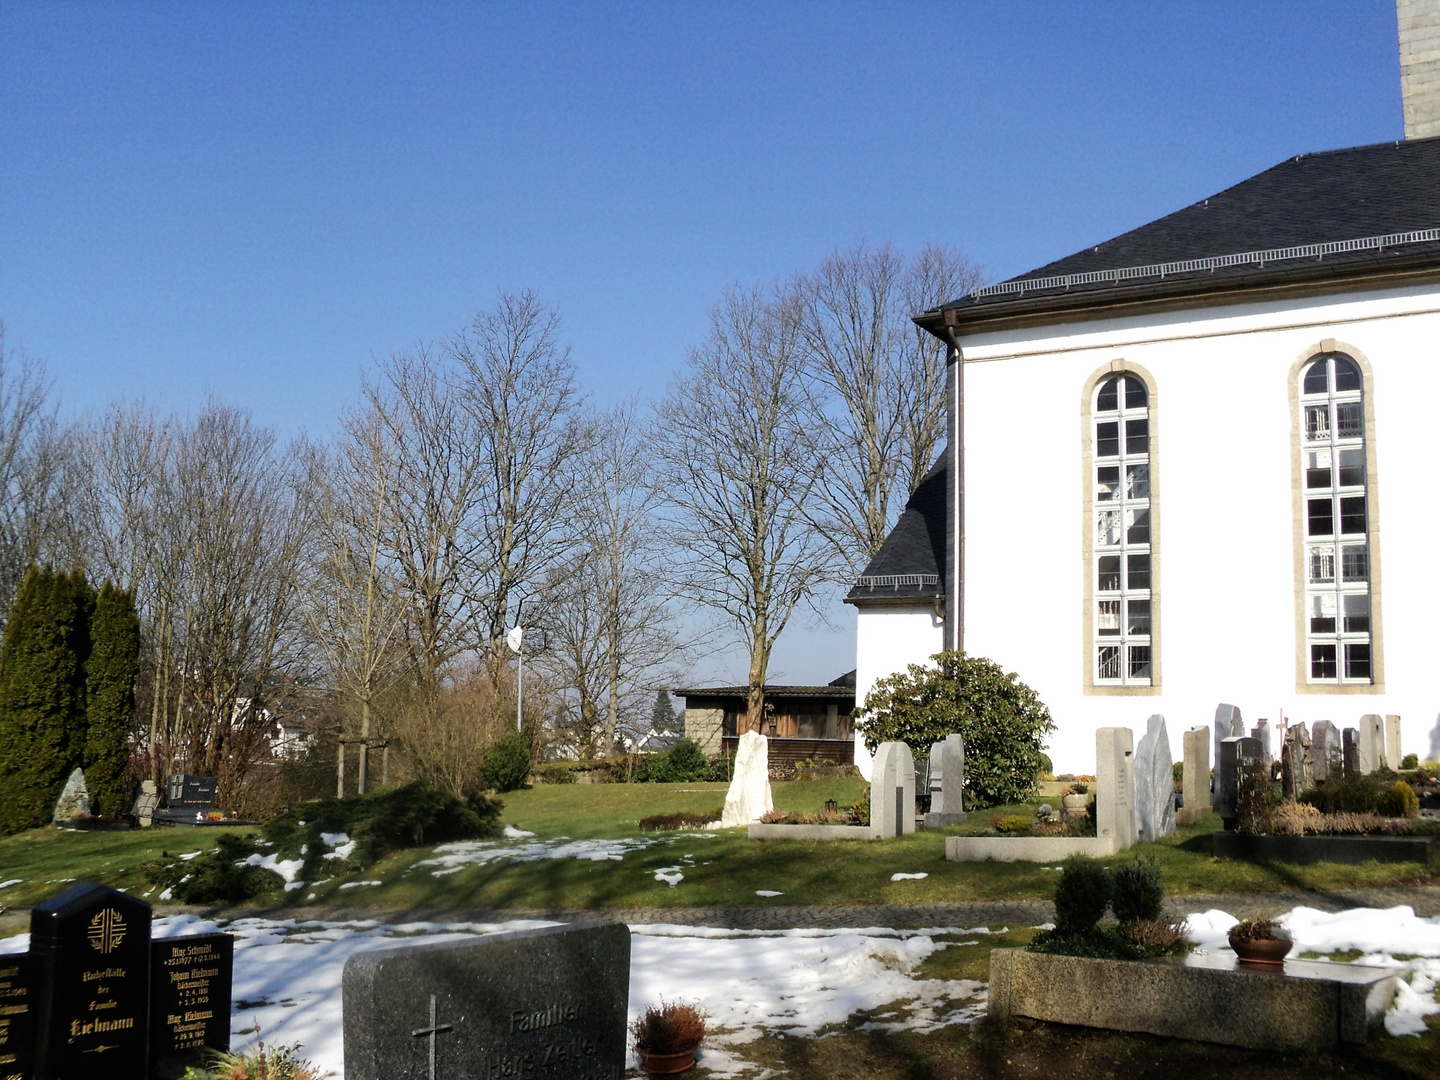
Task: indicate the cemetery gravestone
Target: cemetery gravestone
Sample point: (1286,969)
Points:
(190,979)
(1393,757)
(548,1002)
(1296,763)
(1154,783)
(892,790)
(748,798)
(1261,733)
(1228,725)
(1325,749)
(1372,743)
(1227,775)
(1350,739)
(74,801)
(17,1017)
(1195,780)
(1115,786)
(90,947)
(947,782)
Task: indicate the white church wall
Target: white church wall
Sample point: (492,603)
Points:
(1222,417)
(889,639)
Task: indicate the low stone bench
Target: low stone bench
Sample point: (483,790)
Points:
(1206,996)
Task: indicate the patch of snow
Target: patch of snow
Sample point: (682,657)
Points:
(286,868)
(187,856)
(167,894)
(456,856)
(768,892)
(908,877)
(512,833)
(341,843)
(671,875)
(12,881)
(357,884)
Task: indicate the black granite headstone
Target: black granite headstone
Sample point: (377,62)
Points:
(91,951)
(192,792)
(189,999)
(548,1002)
(17,1017)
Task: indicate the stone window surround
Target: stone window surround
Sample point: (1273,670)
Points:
(1087,532)
(1303,685)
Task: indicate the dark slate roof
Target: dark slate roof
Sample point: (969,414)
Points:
(915,548)
(848,679)
(1313,199)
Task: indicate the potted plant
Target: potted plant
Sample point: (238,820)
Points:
(1255,941)
(667,1036)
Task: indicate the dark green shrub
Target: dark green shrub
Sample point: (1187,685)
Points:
(1399,800)
(1410,761)
(216,876)
(1081,897)
(682,764)
(1348,795)
(1003,721)
(110,699)
(1012,823)
(860,808)
(507,763)
(1136,890)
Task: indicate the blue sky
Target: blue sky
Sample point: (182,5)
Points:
(255,200)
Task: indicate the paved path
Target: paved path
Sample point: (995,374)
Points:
(1425,900)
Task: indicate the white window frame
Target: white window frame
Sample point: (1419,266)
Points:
(1127,641)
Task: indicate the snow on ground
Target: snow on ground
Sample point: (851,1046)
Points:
(12,881)
(512,833)
(451,858)
(908,877)
(748,982)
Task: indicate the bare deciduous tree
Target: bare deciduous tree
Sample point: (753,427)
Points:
(876,384)
(739,474)
(609,629)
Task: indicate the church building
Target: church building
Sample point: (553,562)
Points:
(1189,465)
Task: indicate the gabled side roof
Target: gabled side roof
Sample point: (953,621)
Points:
(910,565)
(1342,215)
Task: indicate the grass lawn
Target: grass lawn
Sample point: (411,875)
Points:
(725,868)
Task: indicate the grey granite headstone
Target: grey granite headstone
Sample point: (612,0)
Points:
(1350,743)
(1253,768)
(947,782)
(892,790)
(1297,764)
(548,1002)
(1228,725)
(1325,748)
(1227,776)
(91,949)
(1372,743)
(1393,756)
(74,801)
(1115,786)
(1154,782)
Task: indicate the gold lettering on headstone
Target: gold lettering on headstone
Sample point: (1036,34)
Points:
(107,931)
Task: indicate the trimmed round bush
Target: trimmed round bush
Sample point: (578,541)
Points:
(507,763)
(1399,800)
(1136,890)
(1081,897)
(1003,721)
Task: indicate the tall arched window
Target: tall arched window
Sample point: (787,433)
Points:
(1122,549)
(1338,640)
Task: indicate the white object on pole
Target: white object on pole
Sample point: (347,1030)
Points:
(513,639)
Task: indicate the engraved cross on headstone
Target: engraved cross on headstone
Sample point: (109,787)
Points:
(430,1033)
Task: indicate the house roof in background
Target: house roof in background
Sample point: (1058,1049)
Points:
(910,565)
(1358,213)
(833,692)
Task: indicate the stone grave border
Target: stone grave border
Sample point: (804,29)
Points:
(1205,997)
(1304,850)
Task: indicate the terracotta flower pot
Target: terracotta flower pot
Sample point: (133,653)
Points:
(667,1064)
(1264,951)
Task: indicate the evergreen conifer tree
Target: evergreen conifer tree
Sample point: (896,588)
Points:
(110,699)
(42,694)
(662,716)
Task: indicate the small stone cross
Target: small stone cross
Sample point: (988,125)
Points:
(430,1033)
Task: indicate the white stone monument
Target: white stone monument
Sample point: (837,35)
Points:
(1372,743)
(1195,782)
(1115,786)
(1392,742)
(748,799)
(892,791)
(1228,725)
(947,783)
(1154,782)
